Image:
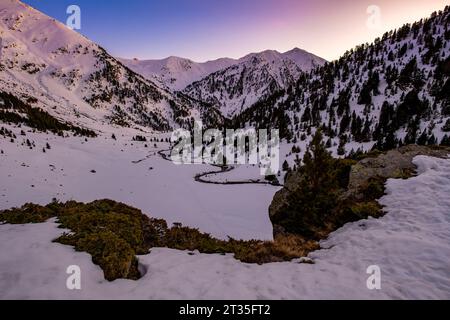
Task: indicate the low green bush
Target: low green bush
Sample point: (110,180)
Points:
(28,213)
(114,233)
(363,210)
(374,189)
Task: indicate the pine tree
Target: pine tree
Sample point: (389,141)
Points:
(286,167)
(423,139)
(341,149)
(345,122)
(317,163)
(365,97)
(445,141)
(432,140)
(413,127)
(316,195)
(446,127)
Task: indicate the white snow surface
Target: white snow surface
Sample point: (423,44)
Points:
(126,171)
(411,245)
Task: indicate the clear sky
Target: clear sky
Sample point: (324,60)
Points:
(208,29)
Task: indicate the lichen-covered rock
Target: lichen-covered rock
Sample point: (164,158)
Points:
(391,165)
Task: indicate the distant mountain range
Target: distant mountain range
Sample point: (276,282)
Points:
(174,72)
(178,73)
(229,85)
(255,77)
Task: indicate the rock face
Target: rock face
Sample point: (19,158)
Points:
(392,164)
(291,185)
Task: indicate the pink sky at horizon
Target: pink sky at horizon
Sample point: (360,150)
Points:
(203,30)
(345,25)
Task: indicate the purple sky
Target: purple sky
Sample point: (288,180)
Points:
(208,29)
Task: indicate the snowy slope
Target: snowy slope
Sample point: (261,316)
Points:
(306,61)
(253,78)
(174,72)
(177,73)
(129,172)
(391,92)
(411,245)
(75,79)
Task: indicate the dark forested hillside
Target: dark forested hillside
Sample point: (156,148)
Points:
(392,92)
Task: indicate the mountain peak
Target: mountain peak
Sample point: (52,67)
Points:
(304,59)
(252,78)
(70,76)
(296,50)
(266,55)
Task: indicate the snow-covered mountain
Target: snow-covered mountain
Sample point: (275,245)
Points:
(394,91)
(177,73)
(253,78)
(391,92)
(73,78)
(174,72)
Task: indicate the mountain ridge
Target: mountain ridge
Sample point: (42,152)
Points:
(255,77)
(73,77)
(177,72)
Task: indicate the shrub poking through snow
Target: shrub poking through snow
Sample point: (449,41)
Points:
(114,233)
(28,213)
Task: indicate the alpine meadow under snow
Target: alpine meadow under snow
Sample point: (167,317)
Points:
(77,124)
(411,244)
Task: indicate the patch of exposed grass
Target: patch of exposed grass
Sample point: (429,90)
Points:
(374,188)
(114,233)
(364,210)
(113,254)
(404,174)
(283,248)
(28,213)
